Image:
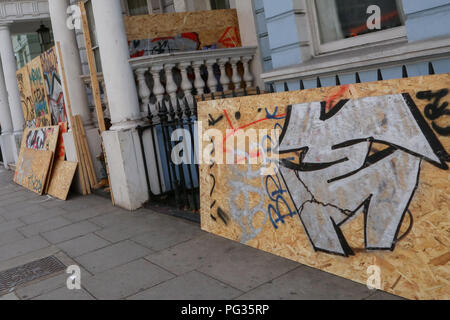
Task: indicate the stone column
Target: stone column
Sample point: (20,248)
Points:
(122,145)
(249,36)
(9,69)
(119,78)
(71,59)
(6,139)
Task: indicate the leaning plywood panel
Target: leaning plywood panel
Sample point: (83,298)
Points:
(32,169)
(350,180)
(44,138)
(26,97)
(62,177)
(39,95)
(183,31)
(53,86)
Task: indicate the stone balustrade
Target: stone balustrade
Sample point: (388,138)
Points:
(189,74)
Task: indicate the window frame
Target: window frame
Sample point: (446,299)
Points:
(383,37)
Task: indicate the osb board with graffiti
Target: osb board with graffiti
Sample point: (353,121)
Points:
(184,31)
(26,97)
(39,96)
(345,178)
(32,169)
(45,138)
(53,86)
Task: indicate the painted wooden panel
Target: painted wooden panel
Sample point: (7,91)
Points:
(39,96)
(344,179)
(32,169)
(61,179)
(169,32)
(53,86)
(26,97)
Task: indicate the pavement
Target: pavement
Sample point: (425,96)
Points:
(145,255)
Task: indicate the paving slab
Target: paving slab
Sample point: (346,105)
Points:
(82,245)
(10,297)
(192,254)
(305,283)
(190,286)
(161,236)
(88,213)
(44,226)
(10,236)
(40,287)
(112,256)
(70,232)
(44,214)
(381,295)
(22,247)
(246,268)
(127,229)
(65,294)
(126,280)
(115,217)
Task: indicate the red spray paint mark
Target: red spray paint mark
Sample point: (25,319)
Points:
(333,98)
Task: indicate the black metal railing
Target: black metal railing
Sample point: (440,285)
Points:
(170,183)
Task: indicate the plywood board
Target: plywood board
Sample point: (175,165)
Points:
(26,97)
(53,86)
(39,95)
(32,169)
(62,177)
(171,32)
(356,178)
(45,138)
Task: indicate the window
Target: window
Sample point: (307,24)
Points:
(342,24)
(220,4)
(137,7)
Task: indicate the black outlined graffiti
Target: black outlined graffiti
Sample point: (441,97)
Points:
(339,174)
(435,110)
(212,122)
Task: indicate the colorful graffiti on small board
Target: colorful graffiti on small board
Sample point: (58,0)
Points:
(39,96)
(26,97)
(54,90)
(359,178)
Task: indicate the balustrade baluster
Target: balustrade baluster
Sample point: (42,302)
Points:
(248,77)
(198,83)
(158,89)
(212,81)
(224,79)
(144,90)
(236,79)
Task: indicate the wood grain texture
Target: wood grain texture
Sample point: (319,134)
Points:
(419,265)
(211,26)
(32,169)
(62,177)
(26,97)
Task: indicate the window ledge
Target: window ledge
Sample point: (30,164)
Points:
(363,59)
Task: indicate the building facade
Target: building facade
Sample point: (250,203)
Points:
(286,44)
(322,39)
